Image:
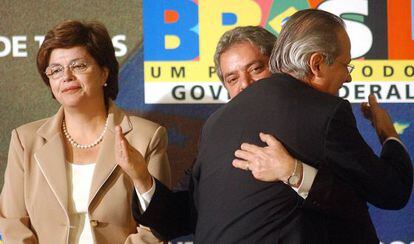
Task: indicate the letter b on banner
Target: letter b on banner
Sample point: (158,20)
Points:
(217,16)
(171,30)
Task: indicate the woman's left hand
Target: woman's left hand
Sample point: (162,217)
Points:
(132,162)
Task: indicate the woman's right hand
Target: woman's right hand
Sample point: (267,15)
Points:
(132,162)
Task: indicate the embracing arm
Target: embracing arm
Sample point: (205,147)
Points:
(274,163)
(14,219)
(169,214)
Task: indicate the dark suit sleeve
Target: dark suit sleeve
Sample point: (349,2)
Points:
(384,181)
(169,214)
(332,196)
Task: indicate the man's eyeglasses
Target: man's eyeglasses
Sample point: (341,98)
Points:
(349,67)
(56,71)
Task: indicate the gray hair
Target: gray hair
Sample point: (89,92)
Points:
(306,32)
(256,35)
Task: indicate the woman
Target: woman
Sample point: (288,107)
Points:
(62,182)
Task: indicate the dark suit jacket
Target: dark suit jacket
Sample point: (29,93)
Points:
(227,205)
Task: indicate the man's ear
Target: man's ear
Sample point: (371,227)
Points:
(315,64)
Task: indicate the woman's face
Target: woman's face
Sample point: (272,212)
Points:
(75,78)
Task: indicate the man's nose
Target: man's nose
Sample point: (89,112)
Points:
(246,81)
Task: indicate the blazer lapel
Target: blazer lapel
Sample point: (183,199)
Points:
(105,165)
(51,158)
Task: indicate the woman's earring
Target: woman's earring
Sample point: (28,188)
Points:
(105,85)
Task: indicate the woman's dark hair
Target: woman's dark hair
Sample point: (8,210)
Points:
(94,37)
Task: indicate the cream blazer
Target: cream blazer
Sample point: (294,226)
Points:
(34,199)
